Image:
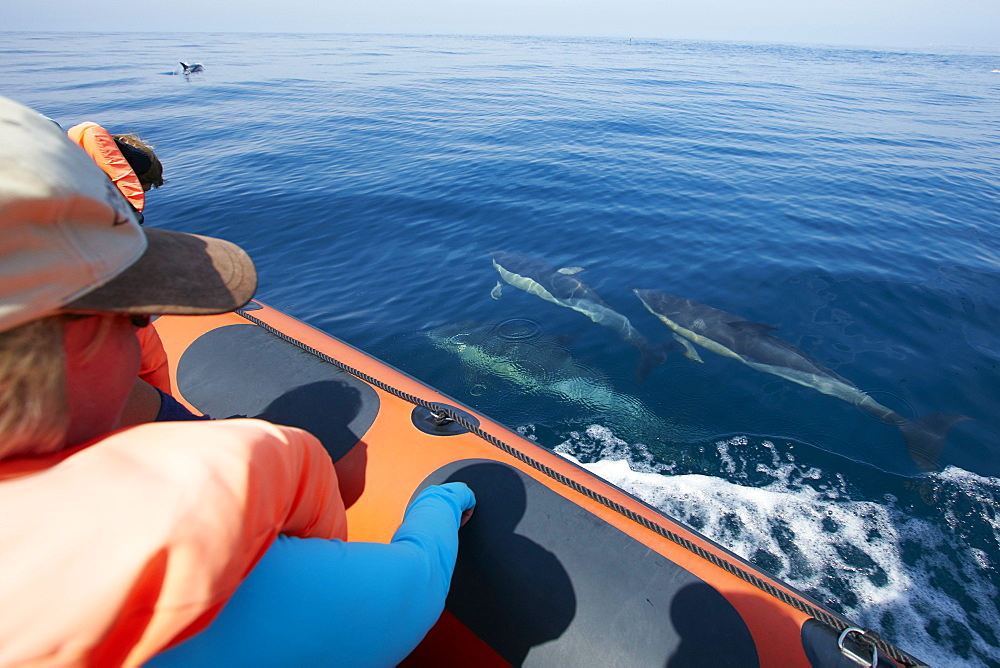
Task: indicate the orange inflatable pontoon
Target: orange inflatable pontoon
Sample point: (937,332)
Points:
(557,567)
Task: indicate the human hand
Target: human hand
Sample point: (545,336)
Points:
(465,498)
(466,514)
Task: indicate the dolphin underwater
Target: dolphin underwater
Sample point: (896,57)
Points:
(191,68)
(753,344)
(528,359)
(560,287)
(541,366)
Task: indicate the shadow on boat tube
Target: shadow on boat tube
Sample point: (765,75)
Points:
(241,370)
(545,582)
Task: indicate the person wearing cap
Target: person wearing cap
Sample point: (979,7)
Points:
(133,167)
(169,542)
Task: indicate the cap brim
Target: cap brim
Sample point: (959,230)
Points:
(179,274)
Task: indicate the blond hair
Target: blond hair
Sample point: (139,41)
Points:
(34,418)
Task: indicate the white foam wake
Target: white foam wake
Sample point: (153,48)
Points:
(916,579)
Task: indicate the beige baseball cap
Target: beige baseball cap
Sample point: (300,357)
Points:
(69,241)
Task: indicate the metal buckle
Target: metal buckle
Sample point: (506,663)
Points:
(851,653)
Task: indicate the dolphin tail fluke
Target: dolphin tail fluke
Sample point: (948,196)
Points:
(925,437)
(652,357)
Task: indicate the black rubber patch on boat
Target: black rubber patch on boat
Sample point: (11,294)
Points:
(243,370)
(435,425)
(544,582)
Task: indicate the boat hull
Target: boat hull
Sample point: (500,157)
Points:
(557,567)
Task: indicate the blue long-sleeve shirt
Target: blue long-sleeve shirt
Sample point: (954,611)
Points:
(312,602)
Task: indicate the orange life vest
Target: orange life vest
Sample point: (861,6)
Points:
(101,147)
(153,368)
(117,549)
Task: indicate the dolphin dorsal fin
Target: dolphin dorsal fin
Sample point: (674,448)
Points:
(569,271)
(748,325)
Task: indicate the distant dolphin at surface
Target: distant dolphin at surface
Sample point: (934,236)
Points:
(192,68)
(561,288)
(753,344)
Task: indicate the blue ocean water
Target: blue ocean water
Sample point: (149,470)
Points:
(847,196)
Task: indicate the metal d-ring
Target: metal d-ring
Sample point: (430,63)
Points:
(437,420)
(439,417)
(843,636)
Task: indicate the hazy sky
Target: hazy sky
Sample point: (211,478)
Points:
(921,23)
